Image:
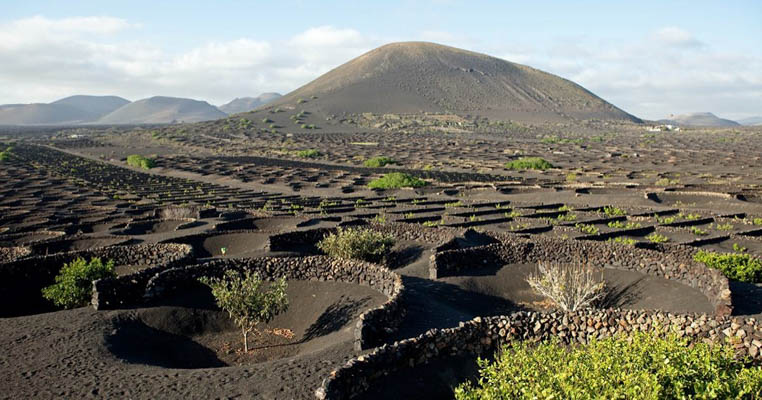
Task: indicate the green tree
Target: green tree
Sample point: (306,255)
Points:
(246,300)
(74,284)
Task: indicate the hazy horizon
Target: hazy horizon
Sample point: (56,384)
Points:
(651,60)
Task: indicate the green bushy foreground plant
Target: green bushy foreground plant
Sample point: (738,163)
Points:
(378,162)
(739,266)
(138,161)
(529,163)
(358,244)
(641,366)
(245,299)
(396,180)
(74,284)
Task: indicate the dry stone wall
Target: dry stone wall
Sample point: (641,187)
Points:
(484,335)
(22,280)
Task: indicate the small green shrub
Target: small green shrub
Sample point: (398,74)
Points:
(698,231)
(396,180)
(623,240)
(739,266)
(358,244)
(587,229)
(757,221)
(309,153)
(724,227)
(641,366)
(657,238)
(138,161)
(529,163)
(378,162)
(623,225)
(246,301)
(612,211)
(74,284)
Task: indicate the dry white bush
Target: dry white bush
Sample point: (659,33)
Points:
(571,286)
(179,212)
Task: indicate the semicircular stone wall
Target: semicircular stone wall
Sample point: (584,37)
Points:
(484,335)
(672,262)
(22,280)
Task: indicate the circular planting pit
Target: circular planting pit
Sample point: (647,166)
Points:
(65,245)
(139,228)
(26,238)
(235,243)
(22,280)
(188,330)
(625,289)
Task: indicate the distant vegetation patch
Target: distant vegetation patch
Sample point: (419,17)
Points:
(378,162)
(529,163)
(396,180)
(5,155)
(139,161)
(741,267)
(642,366)
(309,153)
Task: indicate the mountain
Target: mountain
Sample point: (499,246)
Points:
(752,121)
(160,110)
(244,104)
(412,77)
(699,119)
(98,105)
(67,111)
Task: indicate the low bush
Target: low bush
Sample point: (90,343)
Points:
(358,244)
(139,161)
(529,163)
(641,366)
(74,284)
(657,238)
(396,180)
(378,162)
(309,153)
(739,266)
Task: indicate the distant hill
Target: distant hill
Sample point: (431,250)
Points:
(70,110)
(699,119)
(751,121)
(159,110)
(412,77)
(244,104)
(98,105)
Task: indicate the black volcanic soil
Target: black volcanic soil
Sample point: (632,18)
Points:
(152,352)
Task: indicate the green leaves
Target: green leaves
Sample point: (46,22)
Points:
(378,162)
(359,244)
(739,266)
(139,161)
(396,180)
(247,303)
(74,284)
(642,366)
(529,163)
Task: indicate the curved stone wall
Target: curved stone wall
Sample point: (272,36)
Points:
(22,280)
(673,262)
(373,326)
(8,254)
(485,335)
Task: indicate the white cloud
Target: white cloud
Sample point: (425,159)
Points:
(666,71)
(675,36)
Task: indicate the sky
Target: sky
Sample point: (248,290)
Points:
(650,58)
